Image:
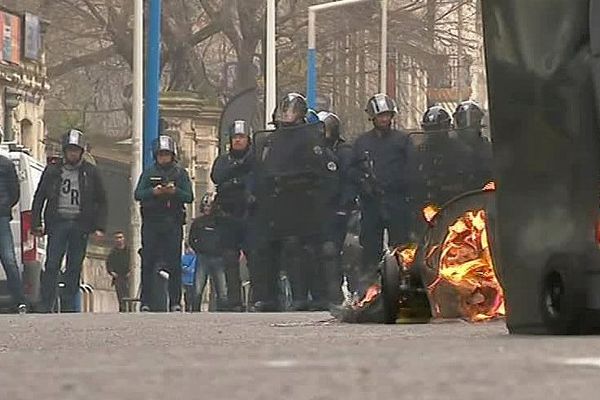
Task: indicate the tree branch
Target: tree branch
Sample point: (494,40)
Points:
(81,61)
(204,33)
(95,12)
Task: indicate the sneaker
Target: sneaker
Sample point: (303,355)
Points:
(22,309)
(145,309)
(176,308)
(163,274)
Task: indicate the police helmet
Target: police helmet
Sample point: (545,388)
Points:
(291,109)
(164,143)
(436,119)
(468,114)
(332,125)
(240,127)
(381,103)
(73,137)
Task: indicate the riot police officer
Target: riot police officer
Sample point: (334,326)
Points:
(163,190)
(291,164)
(379,171)
(69,204)
(232,173)
(468,126)
(436,120)
(339,202)
(434,173)
(439,158)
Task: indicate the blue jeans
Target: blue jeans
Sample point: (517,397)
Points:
(66,236)
(211,266)
(9,261)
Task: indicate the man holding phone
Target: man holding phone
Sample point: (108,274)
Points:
(163,190)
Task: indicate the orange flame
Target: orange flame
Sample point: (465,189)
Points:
(490,186)
(465,263)
(372,292)
(406,255)
(430,211)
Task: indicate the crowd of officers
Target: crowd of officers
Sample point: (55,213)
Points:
(283,201)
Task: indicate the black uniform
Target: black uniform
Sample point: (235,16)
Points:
(163,217)
(232,173)
(477,164)
(293,166)
(341,196)
(443,167)
(379,161)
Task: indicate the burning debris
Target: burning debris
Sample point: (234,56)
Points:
(451,274)
(465,265)
(406,255)
(429,212)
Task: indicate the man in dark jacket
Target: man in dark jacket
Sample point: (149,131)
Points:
(9,197)
(206,239)
(72,197)
(379,171)
(163,190)
(231,172)
(119,268)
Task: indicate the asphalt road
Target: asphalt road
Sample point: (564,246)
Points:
(283,356)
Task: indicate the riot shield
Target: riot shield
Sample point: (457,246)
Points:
(544,124)
(243,106)
(292,170)
(438,170)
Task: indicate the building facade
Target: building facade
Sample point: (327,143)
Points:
(23,80)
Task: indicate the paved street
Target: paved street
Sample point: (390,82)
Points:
(283,356)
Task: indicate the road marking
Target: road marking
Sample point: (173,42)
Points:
(582,362)
(281,363)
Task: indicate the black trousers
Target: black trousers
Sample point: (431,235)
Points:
(264,271)
(233,236)
(161,249)
(376,217)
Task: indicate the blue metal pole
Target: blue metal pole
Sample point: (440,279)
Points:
(152,91)
(311,78)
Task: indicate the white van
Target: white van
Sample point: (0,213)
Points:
(30,251)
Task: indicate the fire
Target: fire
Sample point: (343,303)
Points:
(406,255)
(465,263)
(490,186)
(372,292)
(430,211)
